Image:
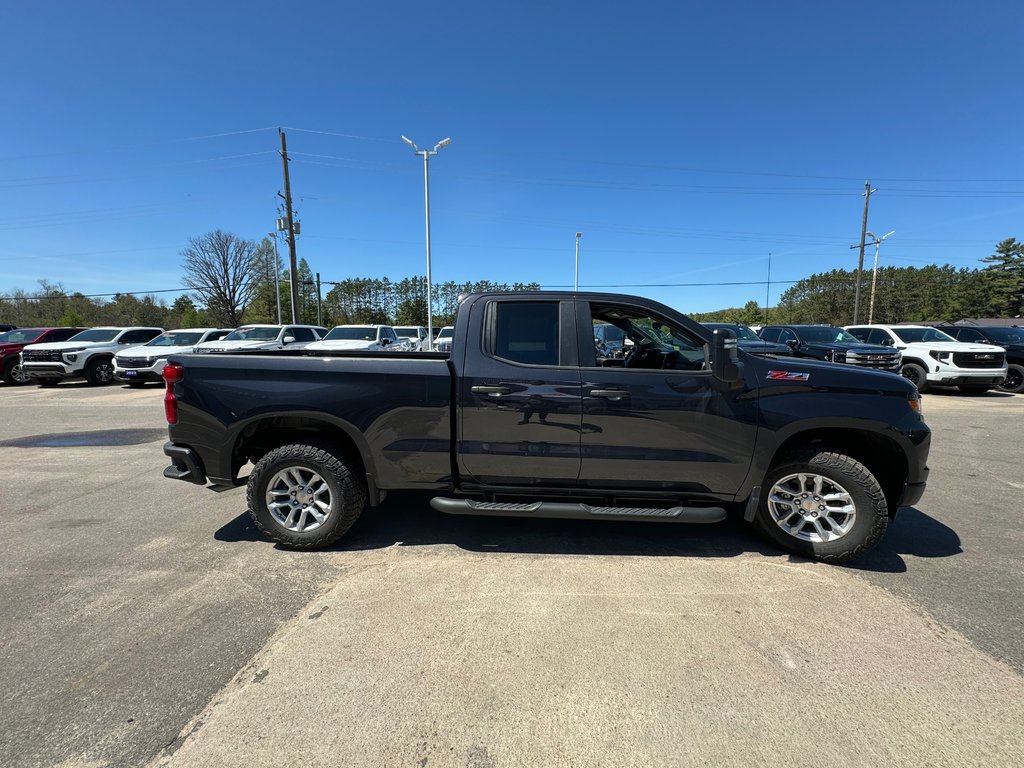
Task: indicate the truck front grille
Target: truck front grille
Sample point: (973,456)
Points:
(134,362)
(881,360)
(41,356)
(978,359)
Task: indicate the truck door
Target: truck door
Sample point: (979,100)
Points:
(519,395)
(657,420)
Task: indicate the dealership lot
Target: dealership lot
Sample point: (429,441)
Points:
(142,618)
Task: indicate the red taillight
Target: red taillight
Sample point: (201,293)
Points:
(173,372)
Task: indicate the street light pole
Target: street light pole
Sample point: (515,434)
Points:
(426,153)
(874,273)
(277,277)
(576,282)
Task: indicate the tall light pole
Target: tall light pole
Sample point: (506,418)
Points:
(277,277)
(426,153)
(874,272)
(576,282)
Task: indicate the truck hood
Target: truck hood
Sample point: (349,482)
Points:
(61,345)
(954,346)
(849,346)
(822,376)
(353,344)
(153,352)
(224,346)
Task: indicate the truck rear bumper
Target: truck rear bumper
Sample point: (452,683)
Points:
(185,464)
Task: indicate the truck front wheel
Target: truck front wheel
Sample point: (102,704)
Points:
(99,372)
(823,504)
(305,495)
(916,375)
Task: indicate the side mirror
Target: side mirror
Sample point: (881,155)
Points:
(289,339)
(792,343)
(725,364)
(385,341)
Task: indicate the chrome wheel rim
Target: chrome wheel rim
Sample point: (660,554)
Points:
(812,507)
(105,372)
(18,374)
(299,499)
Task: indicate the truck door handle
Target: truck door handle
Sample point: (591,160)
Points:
(494,391)
(611,394)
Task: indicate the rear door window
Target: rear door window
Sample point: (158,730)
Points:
(525,332)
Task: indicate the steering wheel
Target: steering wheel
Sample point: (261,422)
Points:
(670,358)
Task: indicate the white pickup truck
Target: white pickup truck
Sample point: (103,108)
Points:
(88,355)
(931,357)
(137,365)
(264,336)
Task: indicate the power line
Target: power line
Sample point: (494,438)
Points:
(342,135)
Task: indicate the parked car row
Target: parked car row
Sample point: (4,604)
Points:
(974,359)
(135,355)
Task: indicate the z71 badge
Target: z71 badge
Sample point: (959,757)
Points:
(788,376)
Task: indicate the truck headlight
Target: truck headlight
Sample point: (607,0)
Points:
(71,358)
(942,357)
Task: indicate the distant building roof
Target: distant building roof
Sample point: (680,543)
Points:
(999,322)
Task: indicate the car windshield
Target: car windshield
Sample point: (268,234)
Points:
(360,333)
(744,332)
(96,334)
(910,335)
(176,339)
(20,336)
(408,331)
(253,334)
(998,335)
(446,333)
(827,334)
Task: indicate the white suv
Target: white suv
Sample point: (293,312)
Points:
(415,334)
(931,357)
(362,338)
(263,336)
(138,365)
(88,355)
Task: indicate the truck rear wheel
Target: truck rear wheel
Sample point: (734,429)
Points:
(823,504)
(916,375)
(305,495)
(1014,381)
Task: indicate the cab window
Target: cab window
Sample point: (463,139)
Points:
(526,332)
(649,341)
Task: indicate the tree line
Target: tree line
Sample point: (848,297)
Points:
(231,281)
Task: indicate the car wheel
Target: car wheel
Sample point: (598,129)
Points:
(1014,381)
(305,495)
(916,375)
(823,504)
(14,374)
(99,372)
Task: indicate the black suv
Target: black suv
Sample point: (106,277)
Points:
(827,342)
(750,342)
(1009,338)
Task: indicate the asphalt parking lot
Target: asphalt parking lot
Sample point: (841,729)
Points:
(145,621)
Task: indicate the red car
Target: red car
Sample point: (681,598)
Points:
(12,342)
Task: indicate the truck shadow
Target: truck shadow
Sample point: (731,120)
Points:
(406,519)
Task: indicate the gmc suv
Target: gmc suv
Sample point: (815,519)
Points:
(88,355)
(1011,339)
(13,341)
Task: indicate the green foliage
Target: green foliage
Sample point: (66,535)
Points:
(1005,273)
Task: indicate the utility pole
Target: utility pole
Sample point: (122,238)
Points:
(318,320)
(868,191)
(576,282)
(293,264)
(768,288)
(277,277)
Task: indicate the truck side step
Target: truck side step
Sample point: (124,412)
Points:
(577,511)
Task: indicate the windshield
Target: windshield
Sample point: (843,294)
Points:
(253,334)
(179,339)
(20,336)
(96,334)
(409,331)
(744,332)
(446,333)
(825,334)
(360,333)
(998,335)
(911,335)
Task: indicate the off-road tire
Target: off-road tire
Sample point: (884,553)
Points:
(916,375)
(872,511)
(342,476)
(99,372)
(1014,381)
(9,373)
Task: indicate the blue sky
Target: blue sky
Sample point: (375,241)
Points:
(686,141)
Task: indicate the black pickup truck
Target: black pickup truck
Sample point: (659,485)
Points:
(526,417)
